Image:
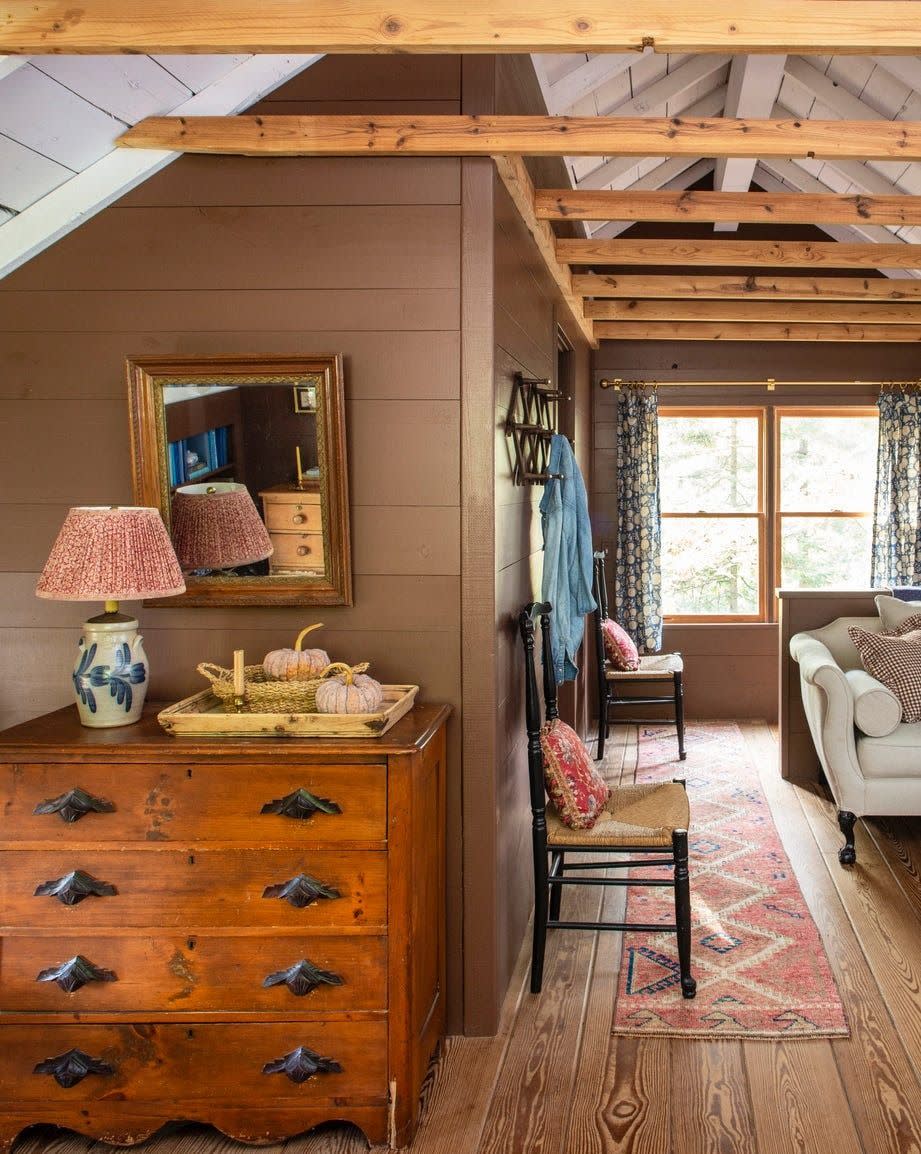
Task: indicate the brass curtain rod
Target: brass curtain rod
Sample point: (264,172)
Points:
(618,383)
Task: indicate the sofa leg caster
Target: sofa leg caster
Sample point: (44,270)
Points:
(847,855)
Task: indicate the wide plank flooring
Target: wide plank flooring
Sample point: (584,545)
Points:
(554,1080)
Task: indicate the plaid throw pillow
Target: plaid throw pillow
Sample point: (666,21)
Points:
(576,788)
(896,662)
(907,627)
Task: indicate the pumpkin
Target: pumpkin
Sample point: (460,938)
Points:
(296,664)
(349,692)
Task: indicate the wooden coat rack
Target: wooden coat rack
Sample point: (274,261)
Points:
(531,423)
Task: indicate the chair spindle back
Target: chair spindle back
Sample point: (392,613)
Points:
(531,612)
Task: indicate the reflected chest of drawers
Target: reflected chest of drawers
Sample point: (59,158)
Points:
(294,519)
(247,933)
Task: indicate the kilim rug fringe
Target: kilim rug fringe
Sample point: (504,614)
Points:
(761,967)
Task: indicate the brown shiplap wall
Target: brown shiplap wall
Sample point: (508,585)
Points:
(225,255)
(730,670)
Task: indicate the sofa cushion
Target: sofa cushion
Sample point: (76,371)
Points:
(877,710)
(898,754)
(896,663)
(894,613)
(576,788)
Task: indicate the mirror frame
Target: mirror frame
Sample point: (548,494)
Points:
(148,375)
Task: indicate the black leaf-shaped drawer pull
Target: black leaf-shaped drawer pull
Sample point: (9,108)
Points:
(303,978)
(301,891)
(76,972)
(71,889)
(301,805)
(302,1064)
(70,1068)
(74,804)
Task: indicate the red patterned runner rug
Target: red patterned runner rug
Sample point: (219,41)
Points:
(760,964)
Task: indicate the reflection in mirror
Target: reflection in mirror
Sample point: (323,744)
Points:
(246,460)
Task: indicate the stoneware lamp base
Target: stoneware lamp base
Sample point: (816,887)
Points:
(111,674)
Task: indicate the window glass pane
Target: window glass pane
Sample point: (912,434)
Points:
(709,565)
(827,463)
(825,552)
(708,464)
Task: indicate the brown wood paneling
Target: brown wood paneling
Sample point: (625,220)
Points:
(399,364)
(404,452)
(235,310)
(209,180)
(217,248)
(269,107)
(370,77)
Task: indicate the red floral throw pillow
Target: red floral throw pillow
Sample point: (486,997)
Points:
(576,788)
(618,646)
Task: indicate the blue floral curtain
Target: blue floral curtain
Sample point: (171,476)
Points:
(637,576)
(897,510)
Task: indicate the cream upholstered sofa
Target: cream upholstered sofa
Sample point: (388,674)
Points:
(871,759)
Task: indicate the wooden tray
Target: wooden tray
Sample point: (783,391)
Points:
(203,715)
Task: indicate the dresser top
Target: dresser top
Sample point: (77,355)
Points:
(62,730)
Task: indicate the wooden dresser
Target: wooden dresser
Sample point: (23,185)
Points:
(294,519)
(248,933)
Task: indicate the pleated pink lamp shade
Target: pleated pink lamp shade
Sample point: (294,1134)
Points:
(217,526)
(111,553)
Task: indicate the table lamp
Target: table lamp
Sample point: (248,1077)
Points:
(217,526)
(111,554)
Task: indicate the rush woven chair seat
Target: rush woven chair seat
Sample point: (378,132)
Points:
(639,820)
(665,671)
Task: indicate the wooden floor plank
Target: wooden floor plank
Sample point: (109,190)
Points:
(876,1072)
(711,1110)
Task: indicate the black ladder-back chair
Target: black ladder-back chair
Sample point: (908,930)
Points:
(662,807)
(664,669)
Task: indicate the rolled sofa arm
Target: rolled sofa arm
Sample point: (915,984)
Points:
(829,705)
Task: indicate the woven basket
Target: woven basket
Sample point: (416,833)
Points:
(263,695)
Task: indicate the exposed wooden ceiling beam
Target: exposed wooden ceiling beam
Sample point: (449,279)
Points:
(806,26)
(514,176)
(782,312)
(673,175)
(747,207)
(629,331)
(754,82)
(528,135)
(739,253)
(777,288)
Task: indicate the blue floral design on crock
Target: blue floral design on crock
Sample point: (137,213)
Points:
(119,677)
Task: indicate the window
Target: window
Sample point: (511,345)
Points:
(757,498)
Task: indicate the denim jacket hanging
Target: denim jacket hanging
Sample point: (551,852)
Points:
(567,579)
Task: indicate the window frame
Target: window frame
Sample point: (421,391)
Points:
(760,515)
(778,514)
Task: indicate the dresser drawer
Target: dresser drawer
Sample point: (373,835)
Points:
(295,515)
(297,551)
(176,1063)
(198,889)
(194,802)
(192,972)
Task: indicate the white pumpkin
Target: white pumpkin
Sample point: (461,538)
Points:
(296,664)
(349,692)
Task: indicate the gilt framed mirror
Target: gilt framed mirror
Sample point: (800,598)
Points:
(245,458)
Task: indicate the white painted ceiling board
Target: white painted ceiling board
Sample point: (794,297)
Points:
(52,120)
(585,79)
(4,214)
(656,95)
(122,169)
(26,176)
(9,64)
(129,87)
(198,72)
(752,88)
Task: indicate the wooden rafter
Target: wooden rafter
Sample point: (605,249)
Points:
(809,312)
(514,176)
(801,26)
(746,207)
(739,253)
(776,288)
(690,331)
(527,135)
